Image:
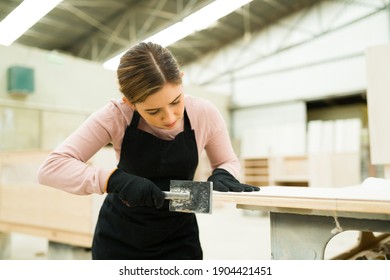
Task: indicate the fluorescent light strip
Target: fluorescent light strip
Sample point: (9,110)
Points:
(23,17)
(197,21)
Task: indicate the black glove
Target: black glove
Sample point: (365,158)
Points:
(223,181)
(134,190)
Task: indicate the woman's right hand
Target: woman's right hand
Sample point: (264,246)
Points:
(134,190)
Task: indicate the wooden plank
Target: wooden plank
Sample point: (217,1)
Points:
(349,199)
(256,171)
(61,236)
(46,207)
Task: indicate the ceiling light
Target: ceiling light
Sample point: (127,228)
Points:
(23,17)
(197,21)
(211,13)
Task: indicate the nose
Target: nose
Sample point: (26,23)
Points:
(169,116)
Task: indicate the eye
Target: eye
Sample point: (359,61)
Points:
(176,102)
(153,112)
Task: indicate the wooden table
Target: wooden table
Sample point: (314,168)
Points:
(303,220)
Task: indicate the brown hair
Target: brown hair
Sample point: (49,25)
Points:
(145,69)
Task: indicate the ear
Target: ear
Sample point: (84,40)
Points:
(181,74)
(132,106)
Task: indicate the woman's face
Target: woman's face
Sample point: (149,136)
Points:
(164,108)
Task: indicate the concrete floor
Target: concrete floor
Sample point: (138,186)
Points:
(227,234)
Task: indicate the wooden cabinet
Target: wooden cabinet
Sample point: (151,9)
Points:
(276,171)
(256,171)
(289,171)
(333,170)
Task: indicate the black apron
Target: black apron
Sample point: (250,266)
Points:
(141,233)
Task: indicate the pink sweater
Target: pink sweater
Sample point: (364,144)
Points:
(66,167)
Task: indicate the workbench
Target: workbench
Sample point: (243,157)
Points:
(304,219)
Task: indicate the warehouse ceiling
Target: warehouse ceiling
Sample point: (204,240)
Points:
(100,29)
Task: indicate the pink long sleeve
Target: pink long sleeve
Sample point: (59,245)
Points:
(67,167)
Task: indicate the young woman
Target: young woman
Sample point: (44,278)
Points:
(158,134)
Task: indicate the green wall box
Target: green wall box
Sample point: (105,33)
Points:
(20,80)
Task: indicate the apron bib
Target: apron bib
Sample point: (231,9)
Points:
(140,233)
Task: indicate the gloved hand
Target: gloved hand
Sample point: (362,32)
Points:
(223,181)
(134,190)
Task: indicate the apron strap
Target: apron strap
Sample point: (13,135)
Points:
(187,123)
(135,120)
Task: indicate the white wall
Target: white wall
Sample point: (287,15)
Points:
(378,101)
(271,130)
(62,82)
(67,90)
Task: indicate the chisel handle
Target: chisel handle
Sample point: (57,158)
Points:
(177,196)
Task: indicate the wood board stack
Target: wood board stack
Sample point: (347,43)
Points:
(30,208)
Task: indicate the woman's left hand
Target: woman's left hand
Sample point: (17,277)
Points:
(223,181)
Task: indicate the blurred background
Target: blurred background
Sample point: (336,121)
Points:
(301,84)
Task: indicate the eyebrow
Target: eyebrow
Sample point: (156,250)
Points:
(174,100)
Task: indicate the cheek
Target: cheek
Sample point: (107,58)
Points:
(152,119)
(149,118)
(180,109)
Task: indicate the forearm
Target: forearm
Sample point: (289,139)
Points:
(221,154)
